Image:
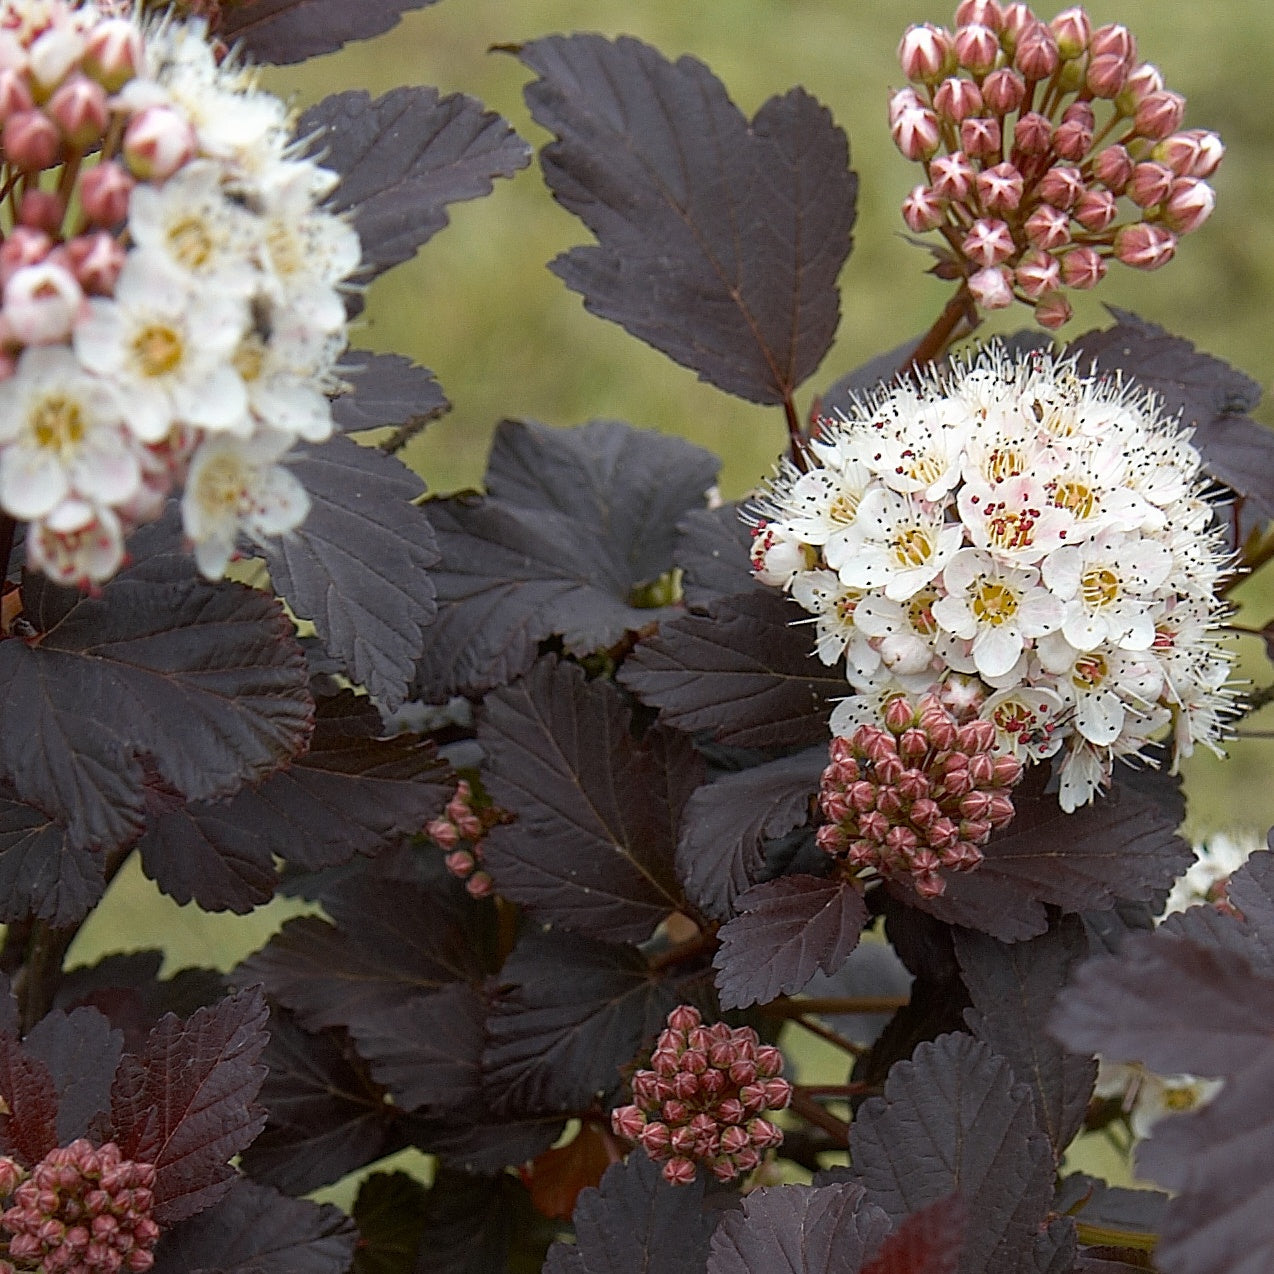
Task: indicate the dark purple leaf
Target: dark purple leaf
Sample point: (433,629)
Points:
(926,1242)
(935,1008)
(390,1214)
(403,158)
(284,31)
(804,1229)
(1180,1006)
(839,397)
(567,1014)
(577,522)
(387,389)
(254,1229)
(205,681)
(1101,1208)
(722,847)
(42,873)
(1124,846)
(712,551)
(718,241)
(28,1104)
(325,1116)
(786,931)
(636,1223)
(1013,988)
(953,1119)
(479,1142)
(186,1103)
(1212,396)
(357,565)
(740,670)
(596,813)
(80,1051)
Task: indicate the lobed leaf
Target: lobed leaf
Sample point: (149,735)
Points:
(284,31)
(713,553)
(42,872)
(719,241)
(28,1103)
(387,389)
(80,1051)
(926,1242)
(389,1213)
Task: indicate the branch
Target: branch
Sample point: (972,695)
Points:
(935,342)
(832,1005)
(809,1110)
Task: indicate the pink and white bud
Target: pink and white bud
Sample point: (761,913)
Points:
(992,288)
(1159,115)
(917,134)
(31,141)
(461,863)
(1061,186)
(926,53)
(1106,75)
(922,210)
(776,558)
(1096,210)
(902,101)
(977,48)
(113,53)
(80,110)
(42,303)
(980,137)
(1083,267)
(157,142)
(679,1171)
(41,210)
(14,94)
(1211,152)
(1113,40)
(53,56)
(1037,274)
(956,99)
(1113,167)
(1150,184)
(1142,80)
(1000,189)
(1180,152)
(982,13)
(952,176)
(1033,134)
(1036,54)
(1072,29)
(480,885)
(1052,312)
(1144,246)
(1004,90)
(1072,139)
(104,193)
(627,1122)
(1189,205)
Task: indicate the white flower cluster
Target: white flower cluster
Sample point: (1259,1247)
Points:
(1030,543)
(1216,858)
(171,309)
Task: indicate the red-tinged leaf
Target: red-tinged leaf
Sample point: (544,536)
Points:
(1013,987)
(592,844)
(719,241)
(284,31)
(387,389)
(28,1118)
(1212,397)
(254,1229)
(42,874)
(712,551)
(205,681)
(80,1051)
(740,670)
(786,931)
(403,157)
(186,1103)
(726,824)
(567,1014)
(927,1242)
(390,1214)
(636,1223)
(326,1118)
(804,1229)
(953,1119)
(555,1178)
(357,565)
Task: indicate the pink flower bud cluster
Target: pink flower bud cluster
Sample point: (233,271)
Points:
(704,1100)
(82,1209)
(1049,150)
(923,793)
(464,821)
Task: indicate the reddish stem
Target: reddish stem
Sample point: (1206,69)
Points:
(935,342)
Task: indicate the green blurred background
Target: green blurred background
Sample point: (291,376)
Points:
(507,339)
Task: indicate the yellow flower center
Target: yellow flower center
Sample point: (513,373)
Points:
(844,507)
(222,488)
(191,243)
(1089,672)
(1178,1099)
(1011,529)
(57,423)
(158,349)
(994,603)
(1076,496)
(249,358)
(1005,462)
(922,467)
(913,547)
(920,612)
(846,605)
(1099,586)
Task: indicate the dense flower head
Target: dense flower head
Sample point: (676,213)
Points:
(1058,134)
(705,1099)
(1018,539)
(82,1209)
(170,289)
(459,831)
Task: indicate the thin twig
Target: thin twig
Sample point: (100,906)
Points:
(795,436)
(934,343)
(832,1005)
(832,1037)
(683,951)
(810,1111)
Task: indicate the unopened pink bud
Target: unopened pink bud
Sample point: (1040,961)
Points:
(941,833)
(874,826)
(1106,75)
(1000,812)
(992,288)
(1061,186)
(113,53)
(981,768)
(664,1062)
(1180,152)
(1211,152)
(764,1134)
(769,1061)
(913,743)
(831,839)
(904,100)
(922,210)
(975,736)
(443,832)
(956,99)
(31,141)
(468,824)
(79,109)
(1053,311)
(1113,167)
(977,48)
(899,714)
(912,785)
(1159,115)
(1033,134)
(1189,205)
(952,176)
(41,210)
(480,885)
(988,242)
(1038,273)
(1004,90)
(685,1087)
(917,134)
(861,796)
(925,812)
(1073,138)
(679,1171)
(1150,184)
(986,13)
(1096,210)
(926,53)
(157,142)
(627,1122)
(685,1017)
(1142,80)
(1072,29)
(975,805)
(980,136)
(1082,268)
(15,96)
(655,1137)
(42,303)
(1113,40)
(460,863)
(734,1139)
(1036,54)
(1018,19)
(1000,189)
